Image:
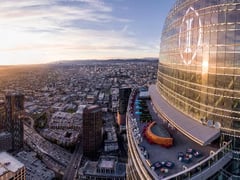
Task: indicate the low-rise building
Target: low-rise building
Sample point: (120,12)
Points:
(35,169)
(64,120)
(107,167)
(61,137)
(11,168)
(111,143)
(91,99)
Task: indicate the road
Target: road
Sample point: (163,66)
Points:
(55,157)
(74,164)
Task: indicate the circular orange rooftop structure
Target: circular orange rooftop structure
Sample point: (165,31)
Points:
(158,135)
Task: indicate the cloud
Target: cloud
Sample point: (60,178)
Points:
(88,10)
(65,29)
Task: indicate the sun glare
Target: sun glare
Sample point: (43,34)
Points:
(204,66)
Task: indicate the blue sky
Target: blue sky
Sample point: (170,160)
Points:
(41,31)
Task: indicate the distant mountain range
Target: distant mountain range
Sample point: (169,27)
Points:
(107,61)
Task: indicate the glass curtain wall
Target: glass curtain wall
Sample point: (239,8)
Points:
(199,64)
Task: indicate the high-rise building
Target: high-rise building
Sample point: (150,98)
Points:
(11,168)
(199,62)
(92,130)
(14,125)
(198,88)
(2,115)
(124,94)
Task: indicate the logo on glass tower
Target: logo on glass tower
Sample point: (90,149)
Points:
(190,35)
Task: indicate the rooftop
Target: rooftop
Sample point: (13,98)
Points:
(92,108)
(154,153)
(9,163)
(35,168)
(144,94)
(5,133)
(199,133)
(108,164)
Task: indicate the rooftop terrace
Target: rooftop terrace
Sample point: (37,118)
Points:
(9,163)
(183,154)
(192,128)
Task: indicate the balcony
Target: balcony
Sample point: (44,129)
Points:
(153,160)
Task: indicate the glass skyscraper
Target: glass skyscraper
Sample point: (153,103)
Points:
(92,131)
(198,87)
(199,67)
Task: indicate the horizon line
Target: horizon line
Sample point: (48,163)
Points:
(63,61)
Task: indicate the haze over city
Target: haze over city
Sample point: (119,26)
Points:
(34,32)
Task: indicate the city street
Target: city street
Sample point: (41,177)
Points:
(54,156)
(74,164)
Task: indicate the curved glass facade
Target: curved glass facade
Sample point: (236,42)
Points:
(199,64)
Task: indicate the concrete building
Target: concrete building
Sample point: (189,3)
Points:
(65,120)
(107,167)
(11,168)
(92,130)
(35,168)
(111,142)
(197,93)
(61,137)
(90,99)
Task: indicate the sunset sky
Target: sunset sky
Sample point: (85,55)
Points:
(41,31)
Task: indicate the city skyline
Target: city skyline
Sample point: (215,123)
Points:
(36,32)
(121,112)
(55,98)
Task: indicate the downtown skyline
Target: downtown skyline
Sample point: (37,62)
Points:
(36,32)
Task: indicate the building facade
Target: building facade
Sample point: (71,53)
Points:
(5,141)
(137,168)
(199,65)
(2,115)
(198,76)
(92,130)
(199,61)
(124,94)
(11,168)
(14,125)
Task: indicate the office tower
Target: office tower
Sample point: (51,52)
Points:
(198,89)
(92,130)
(124,94)
(14,124)
(11,168)
(2,115)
